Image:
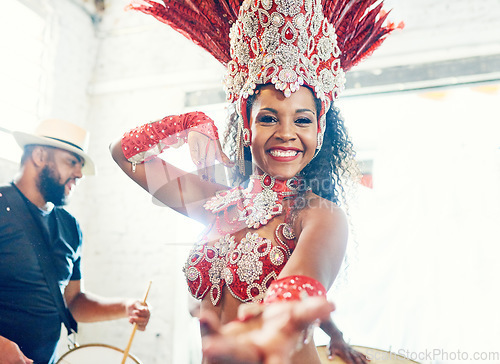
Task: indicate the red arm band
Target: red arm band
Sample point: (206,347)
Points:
(293,288)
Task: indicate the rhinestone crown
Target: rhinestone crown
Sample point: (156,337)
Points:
(288,43)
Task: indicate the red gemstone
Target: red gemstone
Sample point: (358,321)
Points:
(289,34)
(267,180)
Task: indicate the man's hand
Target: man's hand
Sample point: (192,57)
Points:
(11,354)
(137,313)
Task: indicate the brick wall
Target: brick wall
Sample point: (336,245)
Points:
(109,77)
(138,76)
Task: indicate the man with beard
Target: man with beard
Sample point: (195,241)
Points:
(31,214)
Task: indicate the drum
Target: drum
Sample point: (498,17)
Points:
(96,354)
(376,356)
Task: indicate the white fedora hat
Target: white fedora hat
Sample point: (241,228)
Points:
(60,134)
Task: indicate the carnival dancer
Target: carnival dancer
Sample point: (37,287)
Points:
(279,235)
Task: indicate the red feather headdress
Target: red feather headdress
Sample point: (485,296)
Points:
(359,25)
(288,43)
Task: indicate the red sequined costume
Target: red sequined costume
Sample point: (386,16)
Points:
(287,43)
(245,263)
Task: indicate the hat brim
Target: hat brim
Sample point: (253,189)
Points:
(24,139)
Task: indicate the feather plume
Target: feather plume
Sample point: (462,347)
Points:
(360,28)
(359,24)
(204,22)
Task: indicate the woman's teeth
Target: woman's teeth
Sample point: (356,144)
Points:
(283,153)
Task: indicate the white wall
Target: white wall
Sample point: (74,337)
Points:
(130,69)
(142,72)
(422,260)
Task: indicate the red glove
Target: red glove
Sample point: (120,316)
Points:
(147,141)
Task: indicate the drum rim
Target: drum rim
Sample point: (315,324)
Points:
(385,351)
(132,356)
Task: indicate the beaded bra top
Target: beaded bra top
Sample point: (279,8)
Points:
(246,266)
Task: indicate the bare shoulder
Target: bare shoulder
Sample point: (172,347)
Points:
(322,232)
(319,213)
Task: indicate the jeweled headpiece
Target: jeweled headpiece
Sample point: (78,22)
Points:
(288,43)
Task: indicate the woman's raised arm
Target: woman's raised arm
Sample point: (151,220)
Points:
(136,153)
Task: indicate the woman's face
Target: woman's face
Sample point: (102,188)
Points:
(284,131)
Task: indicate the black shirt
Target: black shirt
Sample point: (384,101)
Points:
(28,315)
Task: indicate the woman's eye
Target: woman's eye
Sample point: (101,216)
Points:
(267,119)
(303,121)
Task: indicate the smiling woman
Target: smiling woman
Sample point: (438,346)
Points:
(434,162)
(276,233)
(333,166)
(283,130)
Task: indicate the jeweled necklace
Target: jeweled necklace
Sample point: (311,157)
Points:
(256,204)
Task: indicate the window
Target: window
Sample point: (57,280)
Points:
(23,39)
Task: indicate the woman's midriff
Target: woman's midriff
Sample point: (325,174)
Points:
(244,263)
(226,308)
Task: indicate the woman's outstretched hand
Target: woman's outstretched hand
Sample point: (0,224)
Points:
(269,337)
(205,153)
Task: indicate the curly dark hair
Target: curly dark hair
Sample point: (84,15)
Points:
(328,172)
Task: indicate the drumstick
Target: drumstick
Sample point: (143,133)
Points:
(134,329)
